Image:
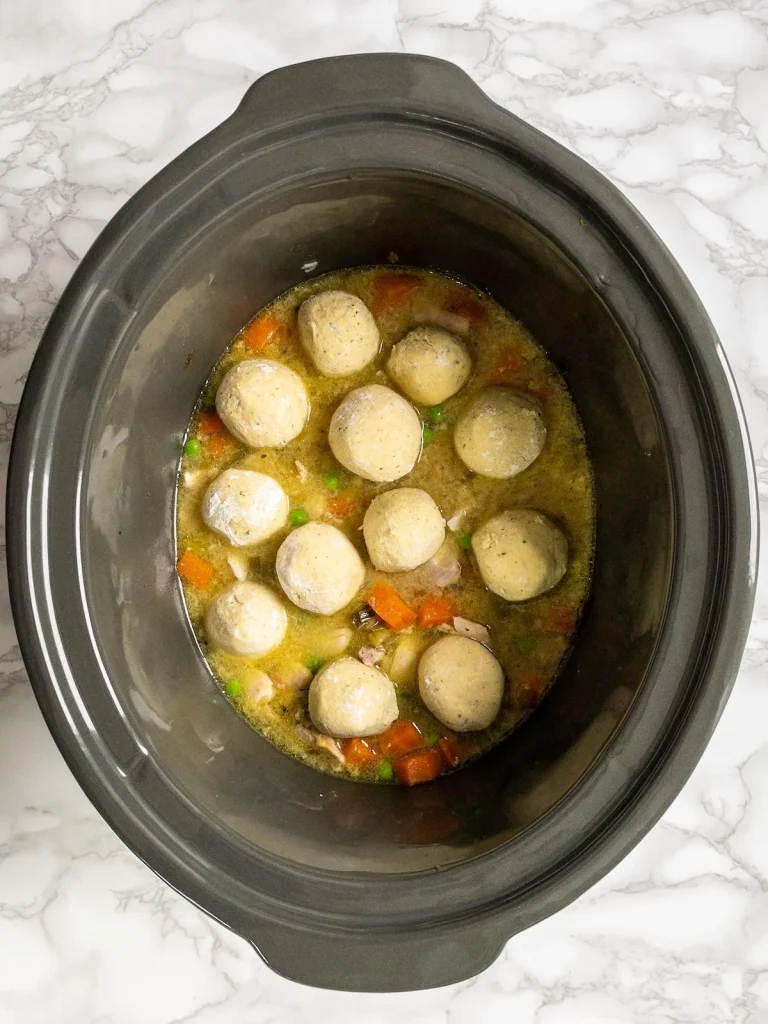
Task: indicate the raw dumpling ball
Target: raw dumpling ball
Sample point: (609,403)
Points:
(429,365)
(319,569)
(338,332)
(402,529)
(347,698)
(246,619)
(520,554)
(500,433)
(263,403)
(245,507)
(461,683)
(376,434)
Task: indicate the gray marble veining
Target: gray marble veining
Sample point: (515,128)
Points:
(669,98)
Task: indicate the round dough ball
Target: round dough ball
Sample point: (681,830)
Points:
(461,683)
(402,529)
(338,332)
(500,434)
(319,569)
(246,619)
(376,434)
(347,698)
(245,507)
(429,365)
(263,403)
(520,554)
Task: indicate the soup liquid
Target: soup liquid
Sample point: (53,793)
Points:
(530,638)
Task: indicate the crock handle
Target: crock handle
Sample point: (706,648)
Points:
(334,89)
(374,962)
(373,81)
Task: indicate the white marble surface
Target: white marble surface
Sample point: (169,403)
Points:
(669,98)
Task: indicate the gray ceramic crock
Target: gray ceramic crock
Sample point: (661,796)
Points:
(335,163)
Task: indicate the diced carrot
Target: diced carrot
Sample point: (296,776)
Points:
(531,687)
(392,290)
(217,445)
(449,750)
(341,507)
(468,307)
(436,609)
(421,767)
(389,606)
(357,752)
(506,369)
(210,423)
(195,570)
(400,738)
(560,618)
(261,331)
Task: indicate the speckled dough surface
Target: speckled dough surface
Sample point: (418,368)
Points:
(668,100)
(379,498)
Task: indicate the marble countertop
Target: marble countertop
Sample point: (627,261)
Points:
(669,98)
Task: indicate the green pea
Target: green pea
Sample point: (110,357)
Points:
(192,447)
(526,643)
(465,541)
(234,688)
(331,481)
(298,517)
(386,771)
(436,413)
(314,662)
(432,738)
(427,435)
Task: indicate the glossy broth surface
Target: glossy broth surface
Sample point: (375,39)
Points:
(530,639)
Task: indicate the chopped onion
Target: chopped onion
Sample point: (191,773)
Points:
(454,522)
(305,734)
(295,675)
(326,743)
(445,319)
(443,568)
(319,739)
(302,470)
(474,630)
(238,563)
(258,686)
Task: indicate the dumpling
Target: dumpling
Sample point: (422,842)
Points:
(319,569)
(376,434)
(429,365)
(263,403)
(348,698)
(246,619)
(244,506)
(500,434)
(461,683)
(338,332)
(520,554)
(402,529)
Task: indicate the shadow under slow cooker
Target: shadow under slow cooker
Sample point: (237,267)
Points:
(186,311)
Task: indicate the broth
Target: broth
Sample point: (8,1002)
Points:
(530,638)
